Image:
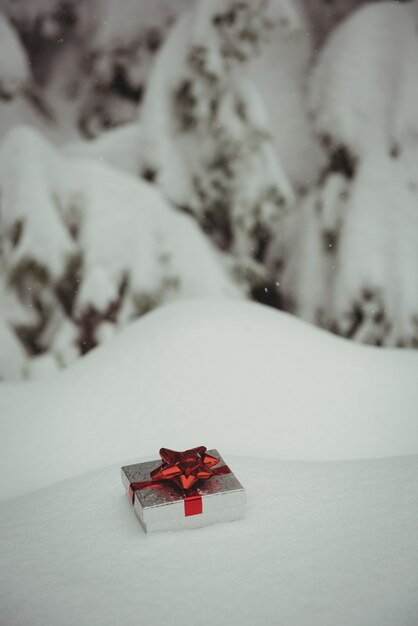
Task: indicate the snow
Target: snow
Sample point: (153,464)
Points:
(353,237)
(381,225)
(15,76)
(321,543)
(304,277)
(29,174)
(45,187)
(64,345)
(118,147)
(119,226)
(75,47)
(329,542)
(230,374)
(278,72)
(196,66)
(281,72)
(12,354)
(364,88)
(147,230)
(187,164)
(321,431)
(349,249)
(368,58)
(41,366)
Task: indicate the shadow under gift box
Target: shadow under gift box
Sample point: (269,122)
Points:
(162,506)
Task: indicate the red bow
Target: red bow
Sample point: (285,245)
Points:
(185,468)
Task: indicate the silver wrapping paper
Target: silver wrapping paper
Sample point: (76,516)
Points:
(162,507)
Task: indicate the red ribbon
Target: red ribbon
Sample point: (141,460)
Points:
(182,469)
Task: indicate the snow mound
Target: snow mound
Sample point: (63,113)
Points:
(230,374)
(328,543)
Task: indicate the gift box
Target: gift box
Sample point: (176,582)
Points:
(188,490)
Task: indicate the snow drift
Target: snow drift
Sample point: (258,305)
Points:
(236,375)
(321,543)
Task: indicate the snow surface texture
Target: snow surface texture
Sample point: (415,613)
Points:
(235,375)
(321,544)
(328,543)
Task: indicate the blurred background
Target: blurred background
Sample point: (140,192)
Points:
(156,150)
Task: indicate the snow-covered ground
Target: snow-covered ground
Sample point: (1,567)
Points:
(237,376)
(321,544)
(329,542)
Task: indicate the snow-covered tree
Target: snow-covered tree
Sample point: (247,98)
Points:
(84,249)
(351,255)
(204,132)
(118,59)
(217,125)
(90,60)
(203,135)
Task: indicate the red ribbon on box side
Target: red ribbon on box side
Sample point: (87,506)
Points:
(184,469)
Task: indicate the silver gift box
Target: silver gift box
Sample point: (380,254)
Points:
(162,507)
